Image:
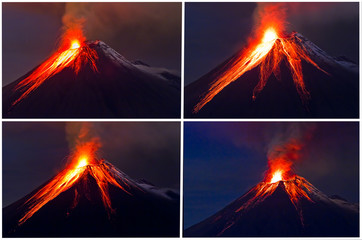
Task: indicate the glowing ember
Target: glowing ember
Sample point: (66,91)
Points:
(267,53)
(82,162)
(75,44)
(71,53)
(102,172)
(270,35)
(277,176)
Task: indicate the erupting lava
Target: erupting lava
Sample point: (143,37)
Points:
(73,52)
(269,35)
(75,44)
(267,52)
(83,162)
(277,176)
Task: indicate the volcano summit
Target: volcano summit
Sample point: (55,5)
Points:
(88,79)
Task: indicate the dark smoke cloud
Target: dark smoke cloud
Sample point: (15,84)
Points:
(77,132)
(282,134)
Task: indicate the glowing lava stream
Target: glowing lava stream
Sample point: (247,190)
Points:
(277,176)
(268,54)
(102,172)
(72,53)
(296,187)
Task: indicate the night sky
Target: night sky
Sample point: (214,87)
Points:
(150,32)
(35,152)
(222,161)
(216,31)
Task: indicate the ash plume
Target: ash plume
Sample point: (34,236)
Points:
(79,134)
(286,145)
(72,26)
(269,14)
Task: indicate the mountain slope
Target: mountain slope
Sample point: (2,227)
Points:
(332,94)
(119,89)
(138,210)
(269,210)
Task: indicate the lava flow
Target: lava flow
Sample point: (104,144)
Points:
(296,187)
(267,52)
(83,162)
(73,52)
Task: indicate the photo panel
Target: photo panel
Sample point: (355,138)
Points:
(91,60)
(91,179)
(271,60)
(271,179)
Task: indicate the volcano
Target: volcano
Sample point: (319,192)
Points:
(92,198)
(88,79)
(279,75)
(282,208)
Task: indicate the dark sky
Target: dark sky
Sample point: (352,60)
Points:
(222,161)
(150,32)
(216,31)
(35,152)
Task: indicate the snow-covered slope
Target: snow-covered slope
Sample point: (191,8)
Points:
(321,56)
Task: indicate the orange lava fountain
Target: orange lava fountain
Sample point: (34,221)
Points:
(83,161)
(73,52)
(277,176)
(267,52)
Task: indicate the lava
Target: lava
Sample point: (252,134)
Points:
(270,35)
(277,176)
(297,188)
(75,44)
(73,52)
(267,52)
(83,161)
